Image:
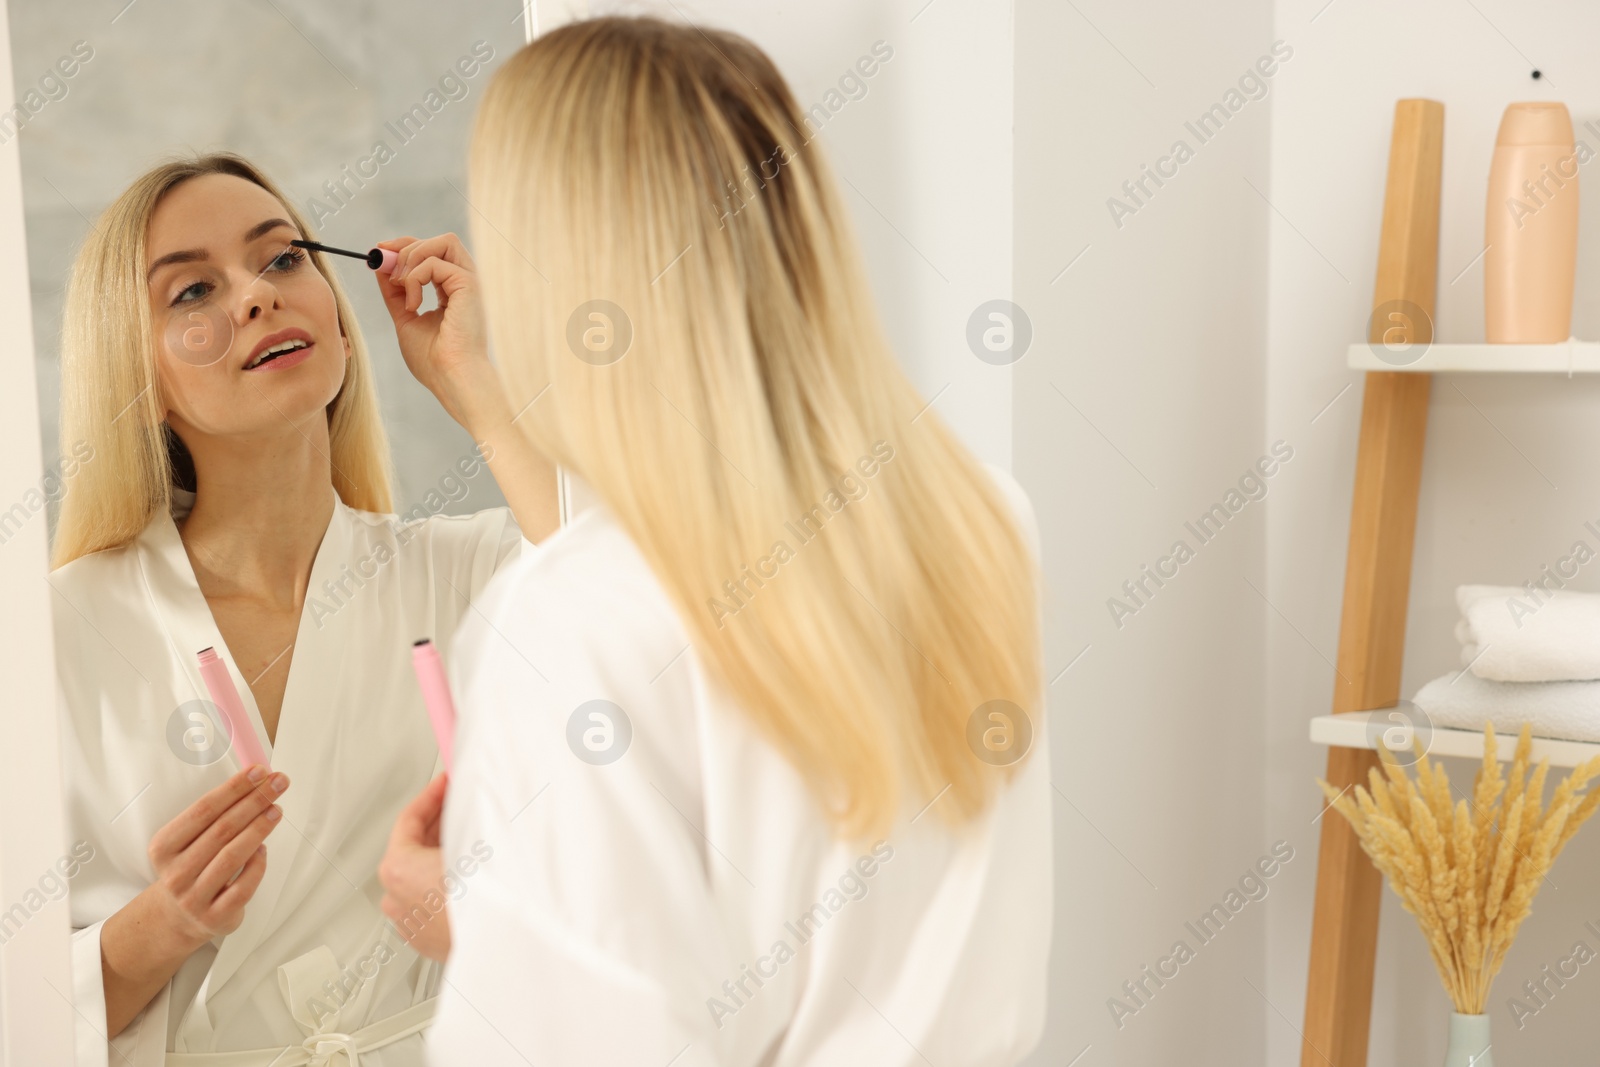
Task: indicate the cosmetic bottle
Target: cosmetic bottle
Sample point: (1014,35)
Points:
(1531,227)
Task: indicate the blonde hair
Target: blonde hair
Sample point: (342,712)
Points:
(755,396)
(111,409)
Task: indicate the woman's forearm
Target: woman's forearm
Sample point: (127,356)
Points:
(477,401)
(526,478)
(136,961)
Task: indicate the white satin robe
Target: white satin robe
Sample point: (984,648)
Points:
(354,739)
(632,911)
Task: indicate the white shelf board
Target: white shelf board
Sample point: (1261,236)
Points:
(1351,730)
(1568,357)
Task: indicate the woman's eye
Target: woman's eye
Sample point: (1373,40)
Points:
(199,289)
(287,260)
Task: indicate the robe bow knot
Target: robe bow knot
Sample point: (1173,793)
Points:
(332,1050)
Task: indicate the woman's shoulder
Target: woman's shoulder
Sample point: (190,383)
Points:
(424,517)
(101,601)
(95,563)
(95,572)
(1021,506)
(441,538)
(586,583)
(591,557)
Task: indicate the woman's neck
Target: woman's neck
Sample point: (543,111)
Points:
(260,511)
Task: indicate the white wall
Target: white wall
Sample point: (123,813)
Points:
(1509,475)
(1141,404)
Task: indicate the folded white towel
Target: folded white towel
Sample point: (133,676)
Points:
(1566,711)
(1509,636)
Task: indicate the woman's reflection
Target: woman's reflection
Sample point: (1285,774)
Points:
(219,381)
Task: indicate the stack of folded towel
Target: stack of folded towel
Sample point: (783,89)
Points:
(1530,658)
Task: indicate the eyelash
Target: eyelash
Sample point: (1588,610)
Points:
(297,258)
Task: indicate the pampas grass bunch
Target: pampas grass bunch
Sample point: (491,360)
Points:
(1467,871)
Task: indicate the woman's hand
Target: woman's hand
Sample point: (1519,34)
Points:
(208,862)
(446,349)
(412,873)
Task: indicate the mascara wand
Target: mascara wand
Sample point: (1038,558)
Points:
(379,259)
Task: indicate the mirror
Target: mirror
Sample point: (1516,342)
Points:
(363,122)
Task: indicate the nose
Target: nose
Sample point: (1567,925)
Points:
(257,296)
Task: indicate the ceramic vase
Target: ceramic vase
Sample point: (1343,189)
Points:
(1469,1041)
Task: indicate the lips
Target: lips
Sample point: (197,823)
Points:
(282,349)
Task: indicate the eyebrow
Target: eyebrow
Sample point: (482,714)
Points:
(192,255)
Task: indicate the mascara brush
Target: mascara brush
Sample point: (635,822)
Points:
(379,259)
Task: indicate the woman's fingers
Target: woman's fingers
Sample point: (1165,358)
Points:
(412,870)
(228,907)
(413,881)
(403,295)
(234,854)
(198,817)
(434,796)
(227,826)
(418,822)
(450,278)
(392,907)
(446,246)
(212,851)
(412,855)
(394,299)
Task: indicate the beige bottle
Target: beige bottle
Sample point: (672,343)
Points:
(1531,227)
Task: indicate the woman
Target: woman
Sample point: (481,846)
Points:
(236,496)
(742,776)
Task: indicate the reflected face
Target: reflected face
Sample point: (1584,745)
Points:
(246,328)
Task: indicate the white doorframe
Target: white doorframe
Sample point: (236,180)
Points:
(36,1013)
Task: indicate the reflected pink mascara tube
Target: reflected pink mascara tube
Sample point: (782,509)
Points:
(241,730)
(436,695)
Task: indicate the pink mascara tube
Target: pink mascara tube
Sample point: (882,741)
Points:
(218,683)
(436,695)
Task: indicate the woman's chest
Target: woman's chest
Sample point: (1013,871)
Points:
(261,639)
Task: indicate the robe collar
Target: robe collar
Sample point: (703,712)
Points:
(190,627)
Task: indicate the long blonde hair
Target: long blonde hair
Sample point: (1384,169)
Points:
(111,410)
(848,571)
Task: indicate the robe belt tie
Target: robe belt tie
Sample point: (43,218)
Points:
(305,983)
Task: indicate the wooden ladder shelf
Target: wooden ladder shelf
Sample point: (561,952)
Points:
(1377,583)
